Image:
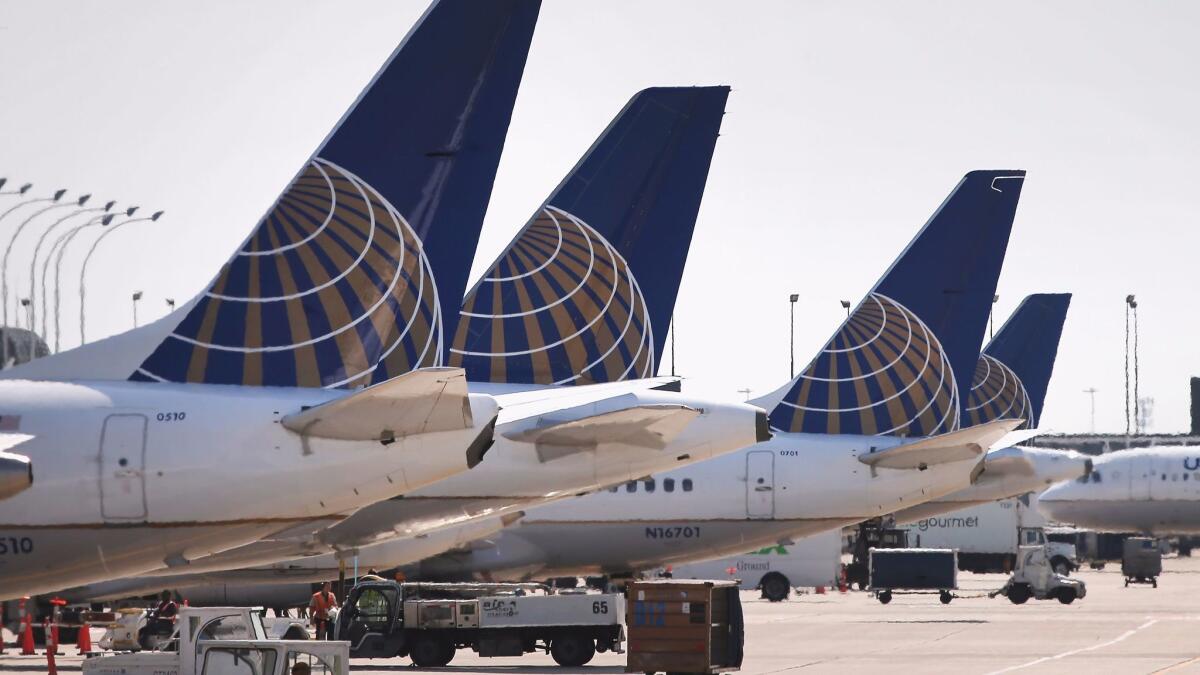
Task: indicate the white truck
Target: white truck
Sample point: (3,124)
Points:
(776,570)
(987,536)
(226,641)
(430,622)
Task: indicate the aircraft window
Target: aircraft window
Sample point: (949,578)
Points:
(1164,476)
(631,486)
(613,488)
(1185,476)
(687,484)
(1096,478)
(650,485)
(668,485)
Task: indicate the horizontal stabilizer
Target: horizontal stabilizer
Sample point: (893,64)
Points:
(422,401)
(650,426)
(1018,437)
(950,447)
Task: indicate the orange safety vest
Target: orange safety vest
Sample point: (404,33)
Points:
(321,604)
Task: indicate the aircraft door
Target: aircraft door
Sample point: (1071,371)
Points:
(122,467)
(1141,477)
(760,484)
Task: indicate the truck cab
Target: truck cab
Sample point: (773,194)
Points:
(212,640)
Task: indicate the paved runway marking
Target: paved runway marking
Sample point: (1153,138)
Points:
(1177,666)
(1123,636)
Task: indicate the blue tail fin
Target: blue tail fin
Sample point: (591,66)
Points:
(563,303)
(891,367)
(335,286)
(1014,369)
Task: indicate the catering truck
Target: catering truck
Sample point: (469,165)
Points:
(987,537)
(775,570)
(430,622)
(222,640)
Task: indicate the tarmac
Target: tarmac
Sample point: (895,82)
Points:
(1113,630)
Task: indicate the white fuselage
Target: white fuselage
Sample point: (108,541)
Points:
(791,486)
(1007,472)
(1150,490)
(513,475)
(129,477)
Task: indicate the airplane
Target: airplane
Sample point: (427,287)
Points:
(304,383)
(1153,491)
(1011,379)
(880,437)
(581,255)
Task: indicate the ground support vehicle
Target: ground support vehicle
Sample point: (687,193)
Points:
(430,622)
(1141,561)
(987,536)
(1035,578)
(914,571)
(222,640)
(870,534)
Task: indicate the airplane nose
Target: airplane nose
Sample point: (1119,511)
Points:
(762,427)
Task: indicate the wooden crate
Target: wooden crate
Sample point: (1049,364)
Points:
(683,626)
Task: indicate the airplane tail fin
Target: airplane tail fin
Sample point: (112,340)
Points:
(1013,372)
(891,368)
(585,291)
(335,286)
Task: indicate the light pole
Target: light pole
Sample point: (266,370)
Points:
(746,392)
(54,204)
(846,306)
(792,335)
(1091,391)
(88,258)
(1130,307)
(137,295)
(37,248)
(19,191)
(60,245)
(171,303)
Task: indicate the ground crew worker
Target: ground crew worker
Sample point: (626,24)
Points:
(323,601)
(161,620)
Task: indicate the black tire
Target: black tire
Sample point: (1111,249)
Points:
(1126,582)
(430,652)
(295,633)
(885,597)
(945,597)
(1061,566)
(1066,595)
(1154,582)
(1018,594)
(572,651)
(775,587)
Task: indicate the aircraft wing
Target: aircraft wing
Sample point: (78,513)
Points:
(16,471)
(563,432)
(949,447)
(422,401)
(522,404)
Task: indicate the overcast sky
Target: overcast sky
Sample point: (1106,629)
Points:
(848,124)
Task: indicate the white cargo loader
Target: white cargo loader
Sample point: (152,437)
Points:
(220,640)
(430,622)
(776,570)
(988,536)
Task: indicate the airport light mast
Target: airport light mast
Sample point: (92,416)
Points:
(37,249)
(54,204)
(88,258)
(60,245)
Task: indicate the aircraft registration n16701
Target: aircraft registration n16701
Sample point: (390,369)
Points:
(234,418)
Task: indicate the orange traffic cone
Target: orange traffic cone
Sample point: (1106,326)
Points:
(26,632)
(84,643)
